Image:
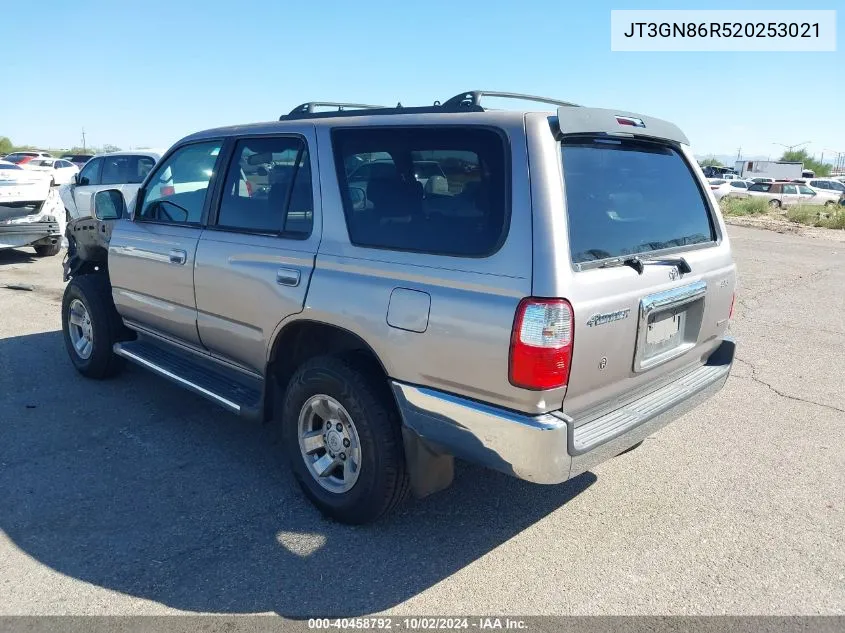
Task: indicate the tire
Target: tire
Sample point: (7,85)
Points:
(829,203)
(775,204)
(48,250)
(381,482)
(94,293)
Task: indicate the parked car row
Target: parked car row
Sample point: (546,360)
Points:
(817,191)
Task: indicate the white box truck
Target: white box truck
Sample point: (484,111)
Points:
(775,169)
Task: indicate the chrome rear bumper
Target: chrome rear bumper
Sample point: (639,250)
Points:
(552,447)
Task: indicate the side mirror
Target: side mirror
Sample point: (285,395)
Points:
(109,205)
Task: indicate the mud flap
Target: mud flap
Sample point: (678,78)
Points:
(430,471)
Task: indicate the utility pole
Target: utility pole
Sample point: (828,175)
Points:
(83,139)
(790,148)
(739,154)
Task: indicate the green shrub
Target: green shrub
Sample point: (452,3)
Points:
(830,217)
(744,206)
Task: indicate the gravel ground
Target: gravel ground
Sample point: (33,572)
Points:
(133,497)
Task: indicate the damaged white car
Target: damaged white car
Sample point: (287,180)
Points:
(31,213)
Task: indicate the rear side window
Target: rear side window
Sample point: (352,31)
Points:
(629,197)
(268,188)
(438,190)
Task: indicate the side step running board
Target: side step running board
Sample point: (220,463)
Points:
(234,390)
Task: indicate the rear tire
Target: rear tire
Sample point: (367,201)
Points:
(94,315)
(381,481)
(48,250)
(774,204)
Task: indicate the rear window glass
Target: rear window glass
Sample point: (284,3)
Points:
(629,197)
(434,190)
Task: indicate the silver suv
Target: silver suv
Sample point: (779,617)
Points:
(558,289)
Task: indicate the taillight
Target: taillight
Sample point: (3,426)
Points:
(168,190)
(541,344)
(248,188)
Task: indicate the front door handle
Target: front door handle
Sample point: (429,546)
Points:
(287,277)
(178,257)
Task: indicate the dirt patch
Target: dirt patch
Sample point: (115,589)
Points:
(782,225)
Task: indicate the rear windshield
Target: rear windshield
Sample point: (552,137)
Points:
(627,197)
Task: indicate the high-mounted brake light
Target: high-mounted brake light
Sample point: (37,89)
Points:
(629,120)
(541,344)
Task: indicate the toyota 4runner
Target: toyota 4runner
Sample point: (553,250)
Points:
(558,288)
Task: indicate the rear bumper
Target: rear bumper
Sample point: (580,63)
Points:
(28,233)
(553,447)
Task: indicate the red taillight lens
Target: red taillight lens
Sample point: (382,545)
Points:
(541,344)
(168,190)
(248,188)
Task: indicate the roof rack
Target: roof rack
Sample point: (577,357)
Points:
(311,106)
(469,101)
(473,98)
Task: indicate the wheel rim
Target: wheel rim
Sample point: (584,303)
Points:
(329,443)
(80,330)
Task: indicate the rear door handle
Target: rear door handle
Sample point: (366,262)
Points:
(178,257)
(287,277)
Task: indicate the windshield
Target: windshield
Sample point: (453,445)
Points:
(629,197)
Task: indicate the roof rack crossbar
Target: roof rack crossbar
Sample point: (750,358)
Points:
(311,106)
(472,98)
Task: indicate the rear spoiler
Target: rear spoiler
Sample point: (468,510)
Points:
(617,123)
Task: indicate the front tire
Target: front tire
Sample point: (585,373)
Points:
(48,250)
(774,204)
(91,326)
(338,411)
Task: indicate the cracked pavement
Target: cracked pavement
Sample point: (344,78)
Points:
(133,497)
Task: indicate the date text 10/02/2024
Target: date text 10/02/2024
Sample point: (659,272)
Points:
(423,623)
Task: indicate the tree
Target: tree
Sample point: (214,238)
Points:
(6,146)
(801,156)
(711,162)
(110,148)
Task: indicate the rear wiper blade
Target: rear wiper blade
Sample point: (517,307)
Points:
(639,263)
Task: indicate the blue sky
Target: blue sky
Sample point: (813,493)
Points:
(148,73)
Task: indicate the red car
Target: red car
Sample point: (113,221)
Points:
(21,158)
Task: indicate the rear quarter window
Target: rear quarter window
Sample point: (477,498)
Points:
(437,190)
(629,197)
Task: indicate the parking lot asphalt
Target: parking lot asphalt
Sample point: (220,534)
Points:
(131,496)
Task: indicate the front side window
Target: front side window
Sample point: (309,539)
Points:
(836,186)
(90,174)
(628,197)
(438,190)
(268,188)
(806,190)
(177,190)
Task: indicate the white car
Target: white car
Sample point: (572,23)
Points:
(827,190)
(19,186)
(61,172)
(30,211)
(117,170)
(730,188)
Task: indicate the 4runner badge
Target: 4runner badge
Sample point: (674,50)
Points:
(608,317)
